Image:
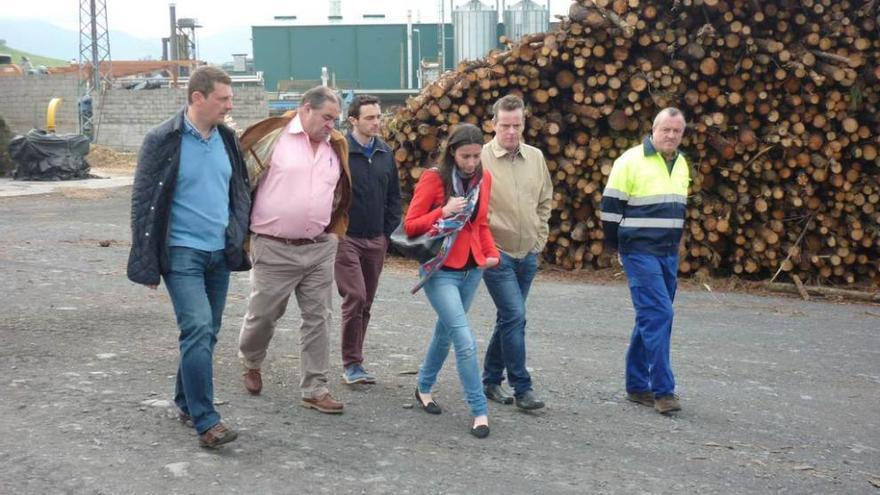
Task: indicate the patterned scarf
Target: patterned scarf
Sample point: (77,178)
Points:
(448,228)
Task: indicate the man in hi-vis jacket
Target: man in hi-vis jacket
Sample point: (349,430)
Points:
(643,212)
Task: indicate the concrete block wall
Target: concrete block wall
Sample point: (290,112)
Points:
(126,116)
(250,105)
(122,118)
(24,100)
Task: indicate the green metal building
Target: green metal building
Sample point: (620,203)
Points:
(357,56)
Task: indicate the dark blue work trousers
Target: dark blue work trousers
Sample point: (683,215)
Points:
(652,283)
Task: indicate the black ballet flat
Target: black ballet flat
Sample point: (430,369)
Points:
(481,431)
(430,407)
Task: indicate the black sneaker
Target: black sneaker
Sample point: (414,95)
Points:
(528,402)
(497,393)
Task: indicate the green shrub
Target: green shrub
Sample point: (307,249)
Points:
(6,164)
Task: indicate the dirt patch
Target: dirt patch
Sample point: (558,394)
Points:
(98,242)
(82,193)
(102,157)
(615,276)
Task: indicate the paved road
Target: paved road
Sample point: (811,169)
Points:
(779,395)
(104,179)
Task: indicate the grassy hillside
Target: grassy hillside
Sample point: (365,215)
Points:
(35,59)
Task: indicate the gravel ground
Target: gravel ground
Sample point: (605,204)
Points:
(779,395)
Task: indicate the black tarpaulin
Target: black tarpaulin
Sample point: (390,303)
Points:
(39,155)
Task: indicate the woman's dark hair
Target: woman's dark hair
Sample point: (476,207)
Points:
(461,135)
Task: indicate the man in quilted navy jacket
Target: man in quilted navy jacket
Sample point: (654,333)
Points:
(374,214)
(189,218)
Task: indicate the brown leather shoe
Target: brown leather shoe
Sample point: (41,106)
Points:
(217,436)
(325,403)
(667,404)
(253,381)
(185,418)
(643,398)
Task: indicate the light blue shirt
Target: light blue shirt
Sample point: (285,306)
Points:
(200,207)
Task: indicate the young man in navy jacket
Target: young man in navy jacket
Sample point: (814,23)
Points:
(374,214)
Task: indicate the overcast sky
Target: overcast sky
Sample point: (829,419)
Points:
(149,18)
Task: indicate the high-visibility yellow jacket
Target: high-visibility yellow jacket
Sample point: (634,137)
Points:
(644,202)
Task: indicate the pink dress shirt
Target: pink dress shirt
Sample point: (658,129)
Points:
(294,199)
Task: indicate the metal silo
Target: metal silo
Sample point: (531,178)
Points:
(525,17)
(475,26)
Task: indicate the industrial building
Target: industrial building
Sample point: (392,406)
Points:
(355,55)
(370,54)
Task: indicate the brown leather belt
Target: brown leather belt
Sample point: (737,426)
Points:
(293,242)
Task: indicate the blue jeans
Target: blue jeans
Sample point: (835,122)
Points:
(652,283)
(450,294)
(197,282)
(509,284)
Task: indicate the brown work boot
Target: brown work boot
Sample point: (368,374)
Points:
(217,436)
(667,404)
(643,398)
(325,403)
(185,418)
(253,381)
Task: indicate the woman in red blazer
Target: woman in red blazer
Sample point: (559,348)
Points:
(453,200)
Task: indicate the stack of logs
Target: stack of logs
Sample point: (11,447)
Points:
(783,104)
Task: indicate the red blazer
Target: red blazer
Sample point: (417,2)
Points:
(475,237)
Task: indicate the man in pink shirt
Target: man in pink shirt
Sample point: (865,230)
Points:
(300,208)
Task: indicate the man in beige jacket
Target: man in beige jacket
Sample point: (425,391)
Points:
(519,209)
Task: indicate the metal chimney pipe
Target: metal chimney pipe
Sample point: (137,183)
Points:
(173,52)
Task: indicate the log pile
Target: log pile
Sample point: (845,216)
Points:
(783,104)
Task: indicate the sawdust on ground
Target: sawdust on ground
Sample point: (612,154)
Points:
(104,158)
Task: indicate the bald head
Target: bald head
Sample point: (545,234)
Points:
(667,113)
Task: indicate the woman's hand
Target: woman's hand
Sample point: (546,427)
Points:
(453,206)
(490,263)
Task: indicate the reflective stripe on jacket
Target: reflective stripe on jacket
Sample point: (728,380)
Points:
(644,203)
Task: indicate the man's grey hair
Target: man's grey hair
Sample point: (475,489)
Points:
(507,103)
(317,96)
(667,112)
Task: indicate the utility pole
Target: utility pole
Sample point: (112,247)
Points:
(409,51)
(94,50)
(441,37)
